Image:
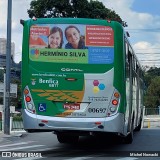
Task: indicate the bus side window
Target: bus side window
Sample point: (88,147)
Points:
(126,51)
(127,59)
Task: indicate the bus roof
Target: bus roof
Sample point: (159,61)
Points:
(71,21)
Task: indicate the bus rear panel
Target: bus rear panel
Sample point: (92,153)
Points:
(68,89)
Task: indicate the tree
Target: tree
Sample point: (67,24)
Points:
(71,8)
(152,81)
(152,98)
(150,74)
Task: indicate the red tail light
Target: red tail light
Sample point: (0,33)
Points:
(28,99)
(114,102)
(29,104)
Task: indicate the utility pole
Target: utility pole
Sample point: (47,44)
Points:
(8,65)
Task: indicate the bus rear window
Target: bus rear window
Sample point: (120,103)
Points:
(71,43)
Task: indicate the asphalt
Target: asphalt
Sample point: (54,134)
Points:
(148,122)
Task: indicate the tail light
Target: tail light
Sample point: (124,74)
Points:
(29,101)
(115,101)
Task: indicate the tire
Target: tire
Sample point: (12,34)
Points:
(63,138)
(138,128)
(129,138)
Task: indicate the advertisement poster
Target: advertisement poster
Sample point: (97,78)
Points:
(71,43)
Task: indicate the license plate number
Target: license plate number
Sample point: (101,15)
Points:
(74,106)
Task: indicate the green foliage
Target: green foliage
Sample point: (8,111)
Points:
(152,81)
(17,118)
(154,72)
(150,74)
(71,8)
(1,75)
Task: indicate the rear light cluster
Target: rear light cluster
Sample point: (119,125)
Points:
(113,107)
(28,100)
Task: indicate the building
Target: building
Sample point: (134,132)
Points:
(3,44)
(3,51)
(15,68)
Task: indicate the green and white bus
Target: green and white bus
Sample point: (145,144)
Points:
(86,89)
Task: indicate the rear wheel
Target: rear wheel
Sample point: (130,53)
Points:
(129,138)
(138,128)
(64,138)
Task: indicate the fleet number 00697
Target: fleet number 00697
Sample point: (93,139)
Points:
(96,110)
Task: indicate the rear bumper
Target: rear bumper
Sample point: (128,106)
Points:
(114,124)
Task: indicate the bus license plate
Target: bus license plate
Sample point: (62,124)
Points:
(72,106)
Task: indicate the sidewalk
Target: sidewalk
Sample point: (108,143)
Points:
(151,121)
(12,134)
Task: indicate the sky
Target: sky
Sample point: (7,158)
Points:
(142,17)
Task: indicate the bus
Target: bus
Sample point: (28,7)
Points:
(80,77)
